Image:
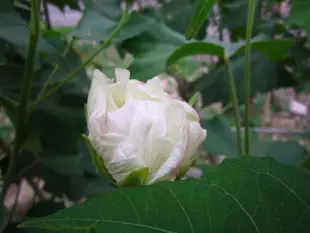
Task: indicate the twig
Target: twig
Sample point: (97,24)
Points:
(235,104)
(46,14)
(247,74)
(89,60)
(54,71)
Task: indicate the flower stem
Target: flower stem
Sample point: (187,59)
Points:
(235,104)
(247,74)
(89,60)
(34,32)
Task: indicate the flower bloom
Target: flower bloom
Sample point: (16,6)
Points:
(138,134)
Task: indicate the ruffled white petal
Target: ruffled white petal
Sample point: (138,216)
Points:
(122,75)
(119,155)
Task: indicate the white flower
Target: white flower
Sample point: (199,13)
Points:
(140,134)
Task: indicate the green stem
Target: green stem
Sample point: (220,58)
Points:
(235,104)
(54,71)
(89,60)
(247,74)
(34,32)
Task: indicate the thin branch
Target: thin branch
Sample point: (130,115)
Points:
(54,71)
(235,104)
(247,74)
(47,15)
(89,60)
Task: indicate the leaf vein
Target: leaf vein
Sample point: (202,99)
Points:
(240,205)
(182,208)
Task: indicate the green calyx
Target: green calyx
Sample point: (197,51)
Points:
(97,160)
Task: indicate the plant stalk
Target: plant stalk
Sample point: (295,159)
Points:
(34,32)
(247,74)
(88,61)
(235,104)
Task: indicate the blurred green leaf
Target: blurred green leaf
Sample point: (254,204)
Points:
(64,165)
(214,85)
(200,16)
(222,141)
(288,152)
(15,30)
(100,18)
(60,125)
(177,18)
(220,138)
(234,17)
(248,189)
(299,15)
(273,49)
(151,49)
(32,142)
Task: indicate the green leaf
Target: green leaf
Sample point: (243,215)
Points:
(60,122)
(200,16)
(214,85)
(101,18)
(232,18)
(151,62)
(288,152)
(243,195)
(299,14)
(64,165)
(32,142)
(15,30)
(273,49)
(221,140)
(151,49)
(97,160)
(177,18)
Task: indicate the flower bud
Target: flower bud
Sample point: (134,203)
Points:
(138,134)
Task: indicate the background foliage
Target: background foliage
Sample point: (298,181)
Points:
(266,192)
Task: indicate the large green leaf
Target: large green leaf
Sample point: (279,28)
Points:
(273,49)
(299,14)
(200,16)
(243,195)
